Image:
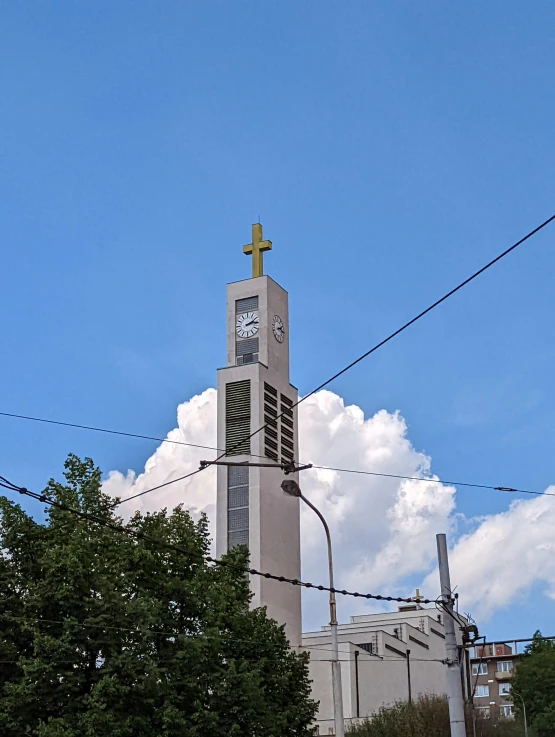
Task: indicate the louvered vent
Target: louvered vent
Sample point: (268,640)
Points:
(246,351)
(245,305)
(287,437)
(247,346)
(270,415)
(237,506)
(238,417)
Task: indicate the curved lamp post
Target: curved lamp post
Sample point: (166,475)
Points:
(291,487)
(524,712)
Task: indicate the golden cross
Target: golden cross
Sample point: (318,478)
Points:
(257,248)
(417,598)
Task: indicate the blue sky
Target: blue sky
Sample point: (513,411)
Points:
(389,150)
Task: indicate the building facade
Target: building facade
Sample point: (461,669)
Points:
(492,667)
(384,657)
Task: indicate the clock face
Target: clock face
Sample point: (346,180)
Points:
(247,325)
(278,328)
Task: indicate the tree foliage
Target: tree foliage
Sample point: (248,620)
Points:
(103,633)
(534,681)
(428,716)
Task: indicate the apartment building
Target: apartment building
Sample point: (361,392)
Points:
(492,666)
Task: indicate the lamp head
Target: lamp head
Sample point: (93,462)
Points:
(291,487)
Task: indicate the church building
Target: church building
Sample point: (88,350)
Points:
(383,656)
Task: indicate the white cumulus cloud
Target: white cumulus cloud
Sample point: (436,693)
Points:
(383,529)
(196,423)
(504,556)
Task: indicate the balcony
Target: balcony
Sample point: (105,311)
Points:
(504,675)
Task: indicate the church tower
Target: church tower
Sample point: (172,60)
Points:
(253,389)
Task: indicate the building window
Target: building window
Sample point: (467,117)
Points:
(482,691)
(368,646)
(247,358)
(504,689)
(504,666)
(246,305)
(506,711)
(479,669)
(237,506)
(484,712)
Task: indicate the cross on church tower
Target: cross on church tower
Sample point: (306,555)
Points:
(256,249)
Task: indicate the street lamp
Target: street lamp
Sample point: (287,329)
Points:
(524,713)
(291,487)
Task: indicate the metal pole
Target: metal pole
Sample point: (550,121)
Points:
(454,685)
(356,683)
(524,713)
(408,676)
(335,664)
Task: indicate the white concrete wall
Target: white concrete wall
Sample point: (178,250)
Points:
(383,678)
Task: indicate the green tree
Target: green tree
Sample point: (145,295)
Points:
(428,716)
(104,633)
(534,681)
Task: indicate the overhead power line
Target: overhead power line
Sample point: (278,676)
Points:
(206,558)
(433,481)
(374,348)
(105,430)
(254,455)
(148,657)
(71,622)
(160,486)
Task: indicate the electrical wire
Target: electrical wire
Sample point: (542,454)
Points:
(127,435)
(230,658)
(107,431)
(160,486)
(433,481)
(383,342)
(325,383)
(206,636)
(508,489)
(202,636)
(140,631)
(122,433)
(392,335)
(206,558)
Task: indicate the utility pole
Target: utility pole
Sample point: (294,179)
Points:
(454,685)
(408,677)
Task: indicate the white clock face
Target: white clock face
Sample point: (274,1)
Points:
(278,328)
(247,325)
